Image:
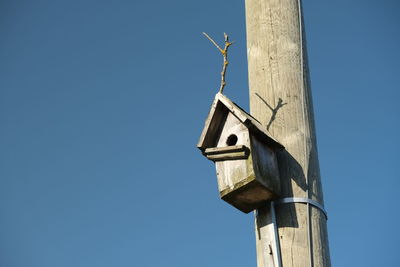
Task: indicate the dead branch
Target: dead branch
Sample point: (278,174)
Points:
(224,53)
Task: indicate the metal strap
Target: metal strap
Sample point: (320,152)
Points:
(277,254)
(302,200)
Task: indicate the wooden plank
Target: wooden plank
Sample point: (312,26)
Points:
(213,125)
(227,153)
(232,172)
(226,149)
(265,165)
(229,156)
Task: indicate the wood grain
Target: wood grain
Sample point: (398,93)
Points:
(278,73)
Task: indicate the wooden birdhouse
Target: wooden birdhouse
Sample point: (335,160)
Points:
(244,154)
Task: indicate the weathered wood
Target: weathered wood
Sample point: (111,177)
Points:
(225,149)
(229,156)
(280,99)
(244,155)
(216,117)
(268,250)
(227,153)
(265,165)
(248,196)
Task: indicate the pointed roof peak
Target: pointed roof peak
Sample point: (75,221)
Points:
(215,120)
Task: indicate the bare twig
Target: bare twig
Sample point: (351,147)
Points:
(212,41)
(224,53)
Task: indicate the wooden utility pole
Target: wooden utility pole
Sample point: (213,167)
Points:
(280,98)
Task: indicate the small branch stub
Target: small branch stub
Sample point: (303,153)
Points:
(224,53)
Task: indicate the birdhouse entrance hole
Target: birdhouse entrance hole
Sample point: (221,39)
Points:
(231,140)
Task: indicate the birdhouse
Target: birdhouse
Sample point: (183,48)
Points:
(244,154)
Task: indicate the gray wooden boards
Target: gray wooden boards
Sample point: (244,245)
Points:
(244,154)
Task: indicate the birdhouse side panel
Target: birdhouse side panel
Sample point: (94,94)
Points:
(265,165)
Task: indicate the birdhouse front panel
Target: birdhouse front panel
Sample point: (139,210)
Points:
(235,139)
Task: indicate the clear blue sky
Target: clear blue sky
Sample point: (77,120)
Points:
(101,106)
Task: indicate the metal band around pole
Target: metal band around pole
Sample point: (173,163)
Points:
(302,200)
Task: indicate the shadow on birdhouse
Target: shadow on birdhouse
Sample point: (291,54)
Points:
(244,154)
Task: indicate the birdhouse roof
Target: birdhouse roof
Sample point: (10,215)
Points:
(215,122)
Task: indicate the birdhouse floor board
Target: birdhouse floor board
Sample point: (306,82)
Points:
(247,198)
(239,186)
